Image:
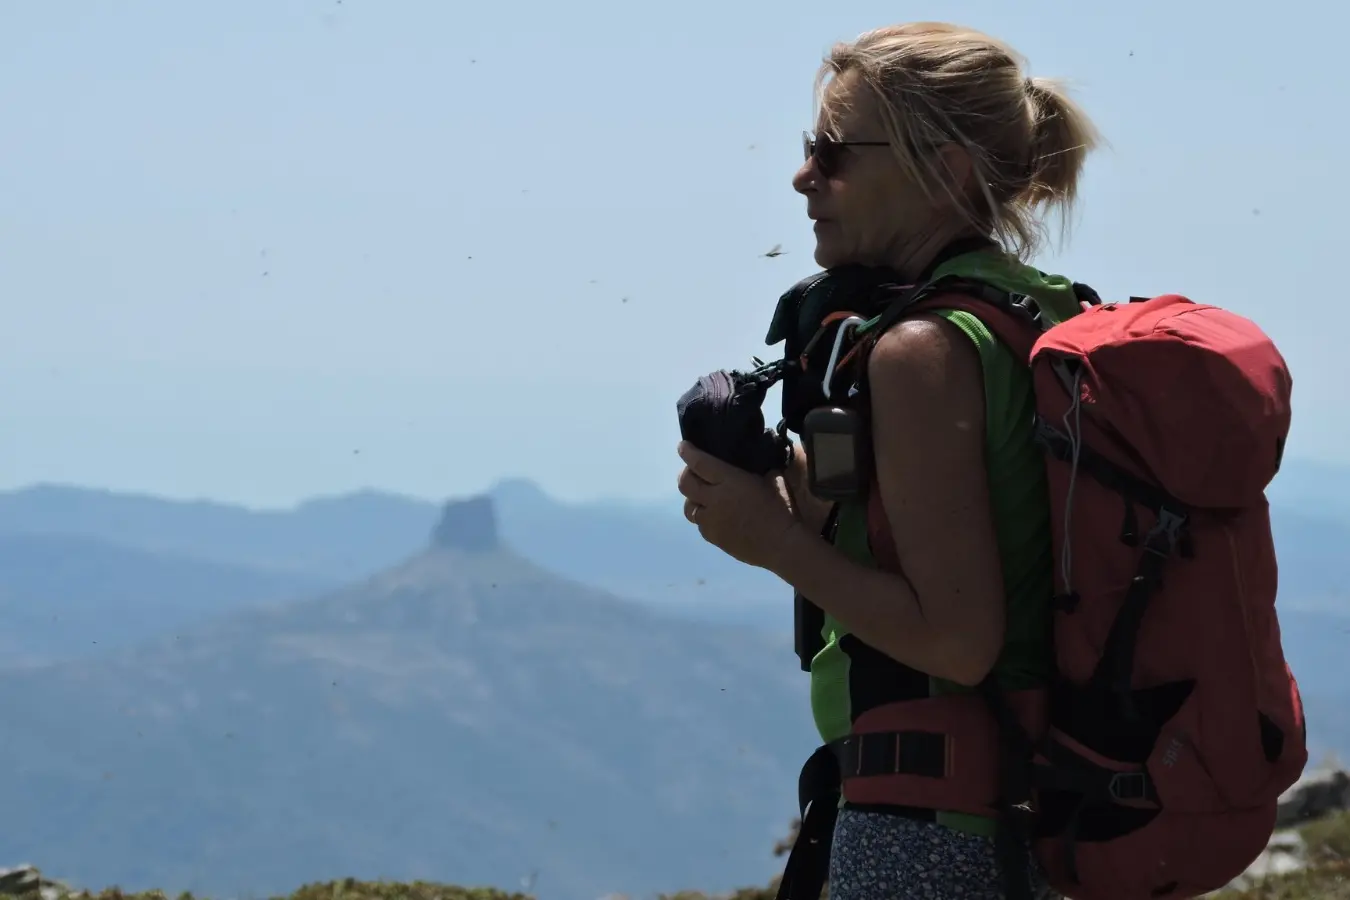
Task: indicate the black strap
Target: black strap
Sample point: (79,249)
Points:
(1016,813)
(808,862)
(1103,471)
(1018,304)
(1115,668)
(1169,535)
(1067,772)
(1112,678)
(808,620)
(1095,787)
(818,793)
(899,307)
(1012,850)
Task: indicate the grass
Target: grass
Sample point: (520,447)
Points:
(347,889)
(1327,845)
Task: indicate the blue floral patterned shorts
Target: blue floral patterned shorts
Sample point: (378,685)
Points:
(877,856)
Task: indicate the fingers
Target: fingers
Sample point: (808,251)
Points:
(693,487)
(705,465)
(699,478)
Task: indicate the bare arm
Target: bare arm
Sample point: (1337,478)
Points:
(928,438)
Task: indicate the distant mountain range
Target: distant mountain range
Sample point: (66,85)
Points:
(335,539)
(63,596)
(463,716)
(204,697)
(644,552)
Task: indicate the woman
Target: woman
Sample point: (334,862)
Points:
(928,136)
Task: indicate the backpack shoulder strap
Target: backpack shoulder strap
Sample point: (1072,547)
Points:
(1012,324)
(1013,319)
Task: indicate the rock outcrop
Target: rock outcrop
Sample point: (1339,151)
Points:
(468,525)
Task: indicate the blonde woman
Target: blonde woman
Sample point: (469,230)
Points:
(931,140)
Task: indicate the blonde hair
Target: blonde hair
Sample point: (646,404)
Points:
(937,83)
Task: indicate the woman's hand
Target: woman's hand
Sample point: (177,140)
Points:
(747,516)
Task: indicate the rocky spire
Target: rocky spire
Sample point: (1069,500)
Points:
(469,525)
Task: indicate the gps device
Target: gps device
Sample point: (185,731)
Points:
(836,443)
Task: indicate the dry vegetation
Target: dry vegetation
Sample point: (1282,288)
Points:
(1327,878)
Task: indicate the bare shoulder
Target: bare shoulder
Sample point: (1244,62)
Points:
(930,356)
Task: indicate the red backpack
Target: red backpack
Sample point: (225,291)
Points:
(1174,722)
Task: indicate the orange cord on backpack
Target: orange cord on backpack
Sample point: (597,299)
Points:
(832,317)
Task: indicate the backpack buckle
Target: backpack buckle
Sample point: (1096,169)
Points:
(1125,786)
(1165,536)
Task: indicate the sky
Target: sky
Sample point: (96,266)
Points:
(262,250)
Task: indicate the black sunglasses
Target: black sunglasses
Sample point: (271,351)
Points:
(828,152)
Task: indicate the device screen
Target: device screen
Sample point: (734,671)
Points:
(832,456)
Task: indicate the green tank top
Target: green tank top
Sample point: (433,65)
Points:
(1021,506)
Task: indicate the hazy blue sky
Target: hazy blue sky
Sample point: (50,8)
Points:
(261,249)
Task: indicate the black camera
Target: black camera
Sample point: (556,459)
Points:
(723,414)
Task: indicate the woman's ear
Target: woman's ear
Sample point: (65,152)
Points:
(955,161)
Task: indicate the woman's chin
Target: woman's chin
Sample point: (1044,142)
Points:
(829,257)
(826,256)
(831,252)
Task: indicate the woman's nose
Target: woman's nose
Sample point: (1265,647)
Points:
(805,180)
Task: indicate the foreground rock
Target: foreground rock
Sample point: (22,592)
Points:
(1314,797)
(28,882)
